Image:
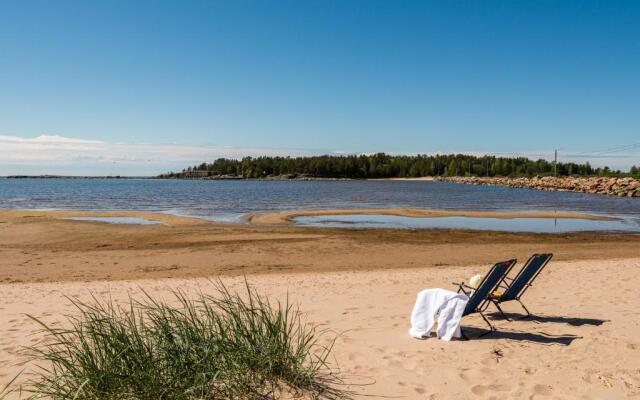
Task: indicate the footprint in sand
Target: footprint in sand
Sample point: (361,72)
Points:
(470,375)
(347,339)
(420,390)
(481,390)
(357,357)
(542,390)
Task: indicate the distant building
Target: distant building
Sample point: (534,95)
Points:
(196,174)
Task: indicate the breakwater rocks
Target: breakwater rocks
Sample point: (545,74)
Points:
(623,187)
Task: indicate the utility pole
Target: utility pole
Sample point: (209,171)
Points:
(555,164)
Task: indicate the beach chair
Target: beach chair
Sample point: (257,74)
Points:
(479,298)
(513,289)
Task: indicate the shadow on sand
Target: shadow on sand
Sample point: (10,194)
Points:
(541,319)
(540,338)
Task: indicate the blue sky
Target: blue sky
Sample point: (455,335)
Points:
(253,77)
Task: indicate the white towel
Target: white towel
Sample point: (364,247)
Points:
(450,305)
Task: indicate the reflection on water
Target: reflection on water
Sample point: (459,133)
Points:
(229,200)
(117,220)
(539,225)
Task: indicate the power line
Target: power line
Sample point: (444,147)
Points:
(614,149)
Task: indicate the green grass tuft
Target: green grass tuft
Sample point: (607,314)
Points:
(221,346)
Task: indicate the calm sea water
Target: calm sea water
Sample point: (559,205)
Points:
(230,200)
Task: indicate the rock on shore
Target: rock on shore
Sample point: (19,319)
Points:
(623,187)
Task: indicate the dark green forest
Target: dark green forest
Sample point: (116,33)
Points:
(382,165)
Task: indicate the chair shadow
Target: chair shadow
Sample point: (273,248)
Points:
(573,321)
(564,340)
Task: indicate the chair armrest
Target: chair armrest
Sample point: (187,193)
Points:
(462,286)
(468,287)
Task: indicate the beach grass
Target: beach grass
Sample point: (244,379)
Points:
(222,346)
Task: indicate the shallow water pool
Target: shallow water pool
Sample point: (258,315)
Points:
(537,225)
(117,220)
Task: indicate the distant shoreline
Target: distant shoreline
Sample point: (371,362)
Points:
(220,178)
(73,177)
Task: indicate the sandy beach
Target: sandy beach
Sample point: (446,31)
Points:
(583,344)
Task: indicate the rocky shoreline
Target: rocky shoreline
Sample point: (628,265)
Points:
(612,186)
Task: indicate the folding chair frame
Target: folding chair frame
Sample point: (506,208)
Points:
(526,286)
(484,304)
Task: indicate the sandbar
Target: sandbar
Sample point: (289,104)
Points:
(286,217)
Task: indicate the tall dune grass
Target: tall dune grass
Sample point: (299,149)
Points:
(221,346)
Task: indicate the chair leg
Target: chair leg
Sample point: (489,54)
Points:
(501,312)
(525,309)
(491,328)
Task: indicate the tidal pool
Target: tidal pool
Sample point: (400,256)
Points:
(537,225)
(117,220)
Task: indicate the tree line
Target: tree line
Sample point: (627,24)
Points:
(382,165)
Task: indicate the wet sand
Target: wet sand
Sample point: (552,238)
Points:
(42,247)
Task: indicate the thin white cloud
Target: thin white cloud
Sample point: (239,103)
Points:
(54,154)
(45,139)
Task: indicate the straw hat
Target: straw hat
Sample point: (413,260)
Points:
(475,280)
